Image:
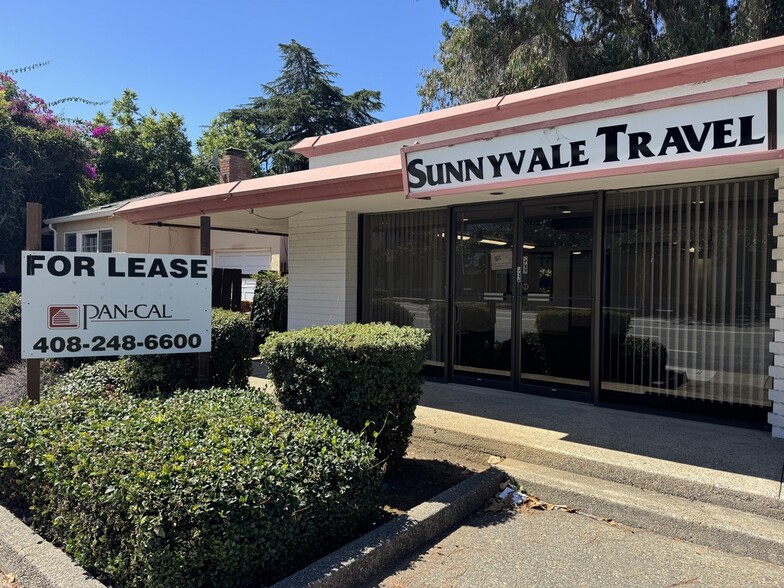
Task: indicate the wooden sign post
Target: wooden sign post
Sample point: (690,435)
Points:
(204,358)
(34,218)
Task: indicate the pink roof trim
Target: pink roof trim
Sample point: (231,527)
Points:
(741,59)
(754,88)
(374,176)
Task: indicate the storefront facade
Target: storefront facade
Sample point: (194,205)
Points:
(659,297)
(611,239)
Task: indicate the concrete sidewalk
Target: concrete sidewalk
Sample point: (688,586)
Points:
(562,550)
(689,503)
(719,464)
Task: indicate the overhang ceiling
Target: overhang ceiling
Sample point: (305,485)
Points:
(265,218)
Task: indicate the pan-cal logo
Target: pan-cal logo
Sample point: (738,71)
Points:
(63,316)
(73,316)
(120,313)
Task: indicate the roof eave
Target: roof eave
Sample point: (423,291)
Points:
(342,181)
(738,60)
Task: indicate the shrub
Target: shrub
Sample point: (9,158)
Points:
(532,354)
(63,365)
(105,378)
(150,373)
(232,348)
(565,336)
(357,374)
(643,361)
(230,359)
(207,488)
(10,328)
(383,310)
(270,304)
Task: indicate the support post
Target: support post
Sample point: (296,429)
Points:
(204,249)
(597,317)
(34,218)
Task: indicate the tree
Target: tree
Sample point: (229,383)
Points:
(139,154)
(497,47)
(42,159)
(301,102)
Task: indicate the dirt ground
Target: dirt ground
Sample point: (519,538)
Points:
(422,475)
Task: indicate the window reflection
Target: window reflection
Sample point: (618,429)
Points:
(404,273)
(687,297)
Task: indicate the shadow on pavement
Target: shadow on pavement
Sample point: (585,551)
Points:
(715,446)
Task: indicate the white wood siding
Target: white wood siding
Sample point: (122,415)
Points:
(776,393)
(322,269)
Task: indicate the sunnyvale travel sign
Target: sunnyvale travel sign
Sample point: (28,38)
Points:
(733,125)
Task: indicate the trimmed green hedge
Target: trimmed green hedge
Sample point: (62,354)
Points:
(206,488)
(10,328)
(270,304)
(103,379)
(643,361)
(230,359)
(565,336)
(365,376)
(391,311)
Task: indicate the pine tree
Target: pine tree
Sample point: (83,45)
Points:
(302,101)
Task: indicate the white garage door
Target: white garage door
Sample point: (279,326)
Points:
(249,261)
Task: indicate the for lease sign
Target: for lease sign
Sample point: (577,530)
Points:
(92,304)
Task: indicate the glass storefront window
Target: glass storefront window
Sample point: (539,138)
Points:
(687,292)
(404,266)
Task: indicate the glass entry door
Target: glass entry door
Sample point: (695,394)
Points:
(484,291)
(522,294)
(556,258)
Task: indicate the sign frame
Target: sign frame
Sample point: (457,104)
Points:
(767,90)
(78,304)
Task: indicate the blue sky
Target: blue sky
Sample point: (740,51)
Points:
(199,58)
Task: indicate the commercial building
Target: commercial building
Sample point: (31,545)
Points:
(613,239)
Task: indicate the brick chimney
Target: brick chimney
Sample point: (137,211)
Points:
(234,166)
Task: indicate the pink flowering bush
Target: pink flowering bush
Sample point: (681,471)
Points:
(100,131)
(90,172)
(28,110)
(42,159)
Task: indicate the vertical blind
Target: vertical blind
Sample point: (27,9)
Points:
(404,265)
(687,291)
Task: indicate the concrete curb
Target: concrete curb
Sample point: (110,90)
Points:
(377,551)
(658,481)
(728,529)
(36,563)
